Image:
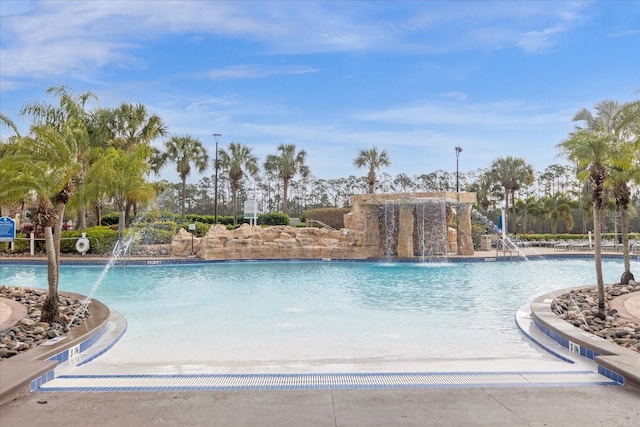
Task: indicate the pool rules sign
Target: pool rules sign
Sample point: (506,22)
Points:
(7,229)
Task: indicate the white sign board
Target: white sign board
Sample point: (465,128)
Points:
(251,209)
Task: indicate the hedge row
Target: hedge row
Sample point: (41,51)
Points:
(167,217)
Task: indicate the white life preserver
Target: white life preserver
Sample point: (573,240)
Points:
(82,245)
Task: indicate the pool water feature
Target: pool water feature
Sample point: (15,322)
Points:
(274,317)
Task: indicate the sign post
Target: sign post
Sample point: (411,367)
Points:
(251,211)
(192,228)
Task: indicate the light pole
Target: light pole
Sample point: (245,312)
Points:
(458,151)
(215,188)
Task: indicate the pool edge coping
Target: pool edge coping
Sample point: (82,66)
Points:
(614,362)
(22,372)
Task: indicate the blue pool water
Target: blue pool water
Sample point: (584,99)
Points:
(274,316)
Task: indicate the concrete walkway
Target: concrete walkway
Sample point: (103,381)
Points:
(510,407)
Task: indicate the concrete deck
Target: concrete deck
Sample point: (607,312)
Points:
(482,406)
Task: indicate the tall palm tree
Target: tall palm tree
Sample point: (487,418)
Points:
(622,122)
(185,151)
(512,173)
(286,166)
(131,125)
(42,164)
(591,150)
(69,116)
(121,175)
(373,160)
(235,163)
(625,167)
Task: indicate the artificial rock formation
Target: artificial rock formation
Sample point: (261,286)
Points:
(365,217)
(254,242)
(438,220)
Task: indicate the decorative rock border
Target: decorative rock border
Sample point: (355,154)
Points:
(614,361)
(28,331)
(580,307)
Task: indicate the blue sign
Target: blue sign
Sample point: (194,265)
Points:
(7,229)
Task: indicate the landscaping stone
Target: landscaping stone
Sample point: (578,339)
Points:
(30,332)
(580,307)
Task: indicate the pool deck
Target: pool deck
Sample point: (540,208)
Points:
(481,406)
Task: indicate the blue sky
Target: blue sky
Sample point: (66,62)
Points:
(416,78)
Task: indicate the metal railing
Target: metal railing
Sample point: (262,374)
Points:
(309,221)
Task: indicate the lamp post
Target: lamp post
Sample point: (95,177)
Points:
(458,151)
(215,188)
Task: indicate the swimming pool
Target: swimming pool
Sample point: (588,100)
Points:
(318,316)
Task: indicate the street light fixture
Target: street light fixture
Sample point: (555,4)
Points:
(458,151)
(215,194)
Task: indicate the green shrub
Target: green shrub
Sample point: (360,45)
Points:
(110,219)
(274,218)
(201,228)
(101,239)
(21,244)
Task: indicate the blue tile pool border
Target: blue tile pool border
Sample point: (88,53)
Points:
(194,261)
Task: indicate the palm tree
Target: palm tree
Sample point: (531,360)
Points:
(512,173)
(121,175)
(529,210)
(372,160)
(622,122)
(625,167)
(285,166)
(235,163)
(558,208)
(185,151)
(629,123)
(590,150)
(71,118)
(43,164)
(130,126)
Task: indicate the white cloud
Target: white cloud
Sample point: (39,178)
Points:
(57,37)
(257,71)
(505,113)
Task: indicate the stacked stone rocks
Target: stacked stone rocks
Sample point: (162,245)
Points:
(580,308)
(30,331)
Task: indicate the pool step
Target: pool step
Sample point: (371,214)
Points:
(222,382)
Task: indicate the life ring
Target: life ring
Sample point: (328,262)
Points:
(82,245)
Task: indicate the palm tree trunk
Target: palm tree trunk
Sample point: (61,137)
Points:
(234,192)
(50,307)
(57,230)
(597,231)
(121,220)
(98,212)
(285,190)
(624,225)
(184,195)
(82,219)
